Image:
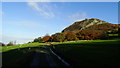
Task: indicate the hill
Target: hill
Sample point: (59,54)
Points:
(92,24)
(88,29)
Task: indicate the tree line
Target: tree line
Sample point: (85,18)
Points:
(72,36)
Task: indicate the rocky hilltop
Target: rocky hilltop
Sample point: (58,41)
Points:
(91,24)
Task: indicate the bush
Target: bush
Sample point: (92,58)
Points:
(58,37)
(10,44)
(47,38)
(1,44)
(39,39)
(70,36)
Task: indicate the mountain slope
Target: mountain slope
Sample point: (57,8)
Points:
(91,24)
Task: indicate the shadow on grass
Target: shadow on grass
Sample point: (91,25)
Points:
(18,58)
(90,54)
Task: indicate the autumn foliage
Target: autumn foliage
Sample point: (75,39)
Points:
(58,37)
(47,38)
(70,36)
(91,34)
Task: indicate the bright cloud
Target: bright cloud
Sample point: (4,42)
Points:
(78,16)
(43,9)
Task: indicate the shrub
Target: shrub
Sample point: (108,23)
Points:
(10,44)
(58,37)
(39,39)
(47,38)
(1,44)
(70,36)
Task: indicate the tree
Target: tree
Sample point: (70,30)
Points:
(79,35)
(47,38)
(91,34)
(58,37)
(2,44)
(36,40)
(10,44)
(39,39)
(70,36)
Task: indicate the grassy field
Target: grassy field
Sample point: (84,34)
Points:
(82,54)
(7,48)
(19,55)
(94,53)
(112,34)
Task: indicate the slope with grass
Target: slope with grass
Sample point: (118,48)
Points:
(19,55)
(31,55)
(94,53)
(7,48)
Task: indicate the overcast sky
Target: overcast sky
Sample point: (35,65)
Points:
(24,21)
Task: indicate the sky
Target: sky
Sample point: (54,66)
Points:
(24,21)
(60,0)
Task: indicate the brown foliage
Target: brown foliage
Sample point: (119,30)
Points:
(58,37)
(90,34)
(47,38)
(70,36)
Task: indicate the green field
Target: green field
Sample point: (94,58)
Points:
(113,34)
(7,48)
(94,53)
(19,55)
(84,53)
